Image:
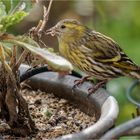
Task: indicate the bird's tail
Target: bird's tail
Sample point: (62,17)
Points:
(135,74)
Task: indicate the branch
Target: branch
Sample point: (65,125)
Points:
(36,32)
(46,17)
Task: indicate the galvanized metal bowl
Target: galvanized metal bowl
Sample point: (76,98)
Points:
(103,105)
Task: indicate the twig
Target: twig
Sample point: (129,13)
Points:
(122,130)
(46,17)
(14,56)
(21,59)
(36,32)
(12,11)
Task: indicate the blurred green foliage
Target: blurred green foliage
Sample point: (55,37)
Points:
(130,138)
(120,20)
(11,13)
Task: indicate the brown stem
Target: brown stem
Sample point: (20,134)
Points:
(46,17)
(14,57)
(21,59)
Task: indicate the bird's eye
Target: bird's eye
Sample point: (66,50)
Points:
(63,26)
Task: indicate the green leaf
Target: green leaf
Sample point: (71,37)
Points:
(2,14)
(18,5)
(27,40)
(11,20)
(7,4)
(12,6)
(2,10)
(56,62)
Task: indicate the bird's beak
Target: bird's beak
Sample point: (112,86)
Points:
(51,31)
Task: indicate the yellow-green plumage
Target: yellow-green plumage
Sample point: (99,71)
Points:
(92,52)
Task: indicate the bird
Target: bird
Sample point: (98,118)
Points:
(92,52)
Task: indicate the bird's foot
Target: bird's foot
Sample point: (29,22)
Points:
(80,81)
(96,87)
(63,73)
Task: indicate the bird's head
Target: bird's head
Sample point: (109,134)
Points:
(67,30)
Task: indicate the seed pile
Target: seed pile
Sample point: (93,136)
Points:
(53,116)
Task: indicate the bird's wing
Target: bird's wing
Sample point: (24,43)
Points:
(105,50)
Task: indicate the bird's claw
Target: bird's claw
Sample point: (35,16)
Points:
(76,84)
(79,82)
(91,91)
(96,87)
